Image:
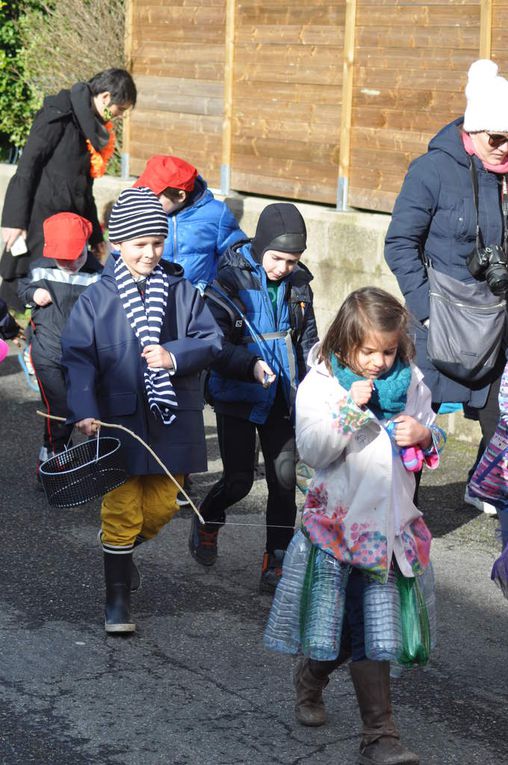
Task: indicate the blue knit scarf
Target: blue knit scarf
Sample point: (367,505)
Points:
(390,390)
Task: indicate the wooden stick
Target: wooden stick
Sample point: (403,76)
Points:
(156,458)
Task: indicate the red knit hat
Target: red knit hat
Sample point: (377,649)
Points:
(163,171)
(65,235)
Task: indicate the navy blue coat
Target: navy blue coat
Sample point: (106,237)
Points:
(435,214)
(232,386)
(104,369)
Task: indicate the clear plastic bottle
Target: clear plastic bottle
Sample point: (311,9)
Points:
(381,616)
(427,586)
(283,632)
(325,608)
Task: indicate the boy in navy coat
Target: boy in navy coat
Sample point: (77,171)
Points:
(133,349)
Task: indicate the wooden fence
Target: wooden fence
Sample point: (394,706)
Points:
(304,99)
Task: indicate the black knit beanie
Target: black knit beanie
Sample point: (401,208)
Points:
(280,227)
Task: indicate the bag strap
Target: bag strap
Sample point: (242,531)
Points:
(474,179)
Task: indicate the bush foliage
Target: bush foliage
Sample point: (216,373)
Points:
(46,46)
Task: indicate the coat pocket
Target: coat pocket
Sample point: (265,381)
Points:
(119,404)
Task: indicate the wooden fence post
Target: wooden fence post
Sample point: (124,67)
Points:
(124,170)
(347,105)
(485,28)
(225,169)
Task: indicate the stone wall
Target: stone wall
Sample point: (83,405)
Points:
(345,251)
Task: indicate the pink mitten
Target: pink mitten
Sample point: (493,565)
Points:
(412,458)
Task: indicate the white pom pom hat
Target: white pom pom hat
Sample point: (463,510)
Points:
(487,99)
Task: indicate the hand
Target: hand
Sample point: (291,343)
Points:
(361,391)
(9,236)
(19,340)
(42,297)
(410,432)
(263,374)
(88,426)
(157,357)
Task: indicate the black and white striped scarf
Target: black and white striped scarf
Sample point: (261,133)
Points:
(145,319)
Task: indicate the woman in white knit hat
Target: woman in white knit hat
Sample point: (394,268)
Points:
(435,219)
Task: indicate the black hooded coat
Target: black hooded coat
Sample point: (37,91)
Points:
(53,174)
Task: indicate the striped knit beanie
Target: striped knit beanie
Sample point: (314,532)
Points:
(135,214)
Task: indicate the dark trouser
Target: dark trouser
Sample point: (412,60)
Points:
(488,418)
(50,378)
(237,444)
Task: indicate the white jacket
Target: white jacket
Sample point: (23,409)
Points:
(360,502)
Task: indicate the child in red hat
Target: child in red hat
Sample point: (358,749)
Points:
(51,288)
(201,228)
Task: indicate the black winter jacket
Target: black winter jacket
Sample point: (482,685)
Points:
(53,174)
(65,288)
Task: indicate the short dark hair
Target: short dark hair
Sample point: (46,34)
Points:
(174,195)
(117,82)
(365,310)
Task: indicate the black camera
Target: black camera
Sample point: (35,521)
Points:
(490,264)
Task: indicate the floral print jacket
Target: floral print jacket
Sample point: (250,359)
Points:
(359,506)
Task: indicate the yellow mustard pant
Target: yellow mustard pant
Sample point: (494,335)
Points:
(138,508)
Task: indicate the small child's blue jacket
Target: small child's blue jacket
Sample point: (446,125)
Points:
(200,233)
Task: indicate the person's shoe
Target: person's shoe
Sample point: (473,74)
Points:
(309,705)
(117,574)
(181,499)
(479,504)
(271,571)
(135,575)
(203,543)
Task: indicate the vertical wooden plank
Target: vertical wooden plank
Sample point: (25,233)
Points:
(225,171)
(126,127)
(347,104)
(485,28)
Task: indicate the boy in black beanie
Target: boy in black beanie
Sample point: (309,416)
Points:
(262,301)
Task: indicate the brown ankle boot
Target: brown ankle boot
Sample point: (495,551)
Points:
(380,740)
(311,677)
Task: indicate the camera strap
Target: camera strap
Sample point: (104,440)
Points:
(474,178)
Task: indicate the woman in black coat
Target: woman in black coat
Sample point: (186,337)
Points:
(68,145)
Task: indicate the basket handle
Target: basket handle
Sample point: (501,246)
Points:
(138,438)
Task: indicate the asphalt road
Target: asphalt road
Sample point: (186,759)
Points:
(195,686)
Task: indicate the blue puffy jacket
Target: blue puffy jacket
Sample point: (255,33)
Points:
(231,385)
(200,233)
(435,215)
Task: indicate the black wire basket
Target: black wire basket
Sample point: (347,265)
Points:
(83,472)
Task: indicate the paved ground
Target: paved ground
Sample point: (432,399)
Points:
(195,686)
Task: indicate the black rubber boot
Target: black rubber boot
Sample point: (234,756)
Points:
(117,574)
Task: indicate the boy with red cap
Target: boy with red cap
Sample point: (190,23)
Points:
(201,228)
(51,288)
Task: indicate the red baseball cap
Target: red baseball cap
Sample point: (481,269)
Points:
(65,235)
(163,171)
